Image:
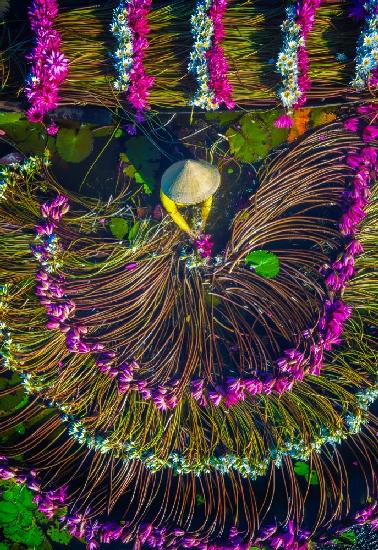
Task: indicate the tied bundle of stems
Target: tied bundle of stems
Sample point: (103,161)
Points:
(251,45)
(332,48)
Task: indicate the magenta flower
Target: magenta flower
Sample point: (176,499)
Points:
(284,121)
(204,246)
(351,124)
(370,133)
(216,60)
(49,65)
(131,267)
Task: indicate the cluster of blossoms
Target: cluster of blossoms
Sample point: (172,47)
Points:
(357,197)
(10,174)
(96,532)
(207,60)
(204,246)
(130,28)
(49,65)
(293,62)
(366,71)
(48,502)
(50,287)
(295,448)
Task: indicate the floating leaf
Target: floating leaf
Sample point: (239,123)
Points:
(9,118)
(347,537)
(104,131)
(255,136)
(119,227)
(59,535)
(264,263)
(302,469)
(74,145)
(32,537)
(145,158)
(223,118)
(8,511)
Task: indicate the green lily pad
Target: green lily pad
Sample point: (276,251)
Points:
(104,131)
(9,118)
(32,537)
(223,118)
(119,227)
(74,145)
(255,136)
(8,511)
(302,468)
(59,535)
(21,496)
(348,537)
(146,160)
(264,263)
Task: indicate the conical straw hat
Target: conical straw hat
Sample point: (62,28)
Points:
(190,181)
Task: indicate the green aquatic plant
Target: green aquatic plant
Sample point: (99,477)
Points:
(74,145)
(21,524)
(254,136)
(264,263)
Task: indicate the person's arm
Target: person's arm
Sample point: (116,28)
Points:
(171,208)
(206,208)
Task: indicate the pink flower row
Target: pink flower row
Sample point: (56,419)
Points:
(140,82)
(216,61)
(306,10)
(95,532)
(49,65)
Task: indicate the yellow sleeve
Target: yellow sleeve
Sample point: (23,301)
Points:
(171,208)
(206,209)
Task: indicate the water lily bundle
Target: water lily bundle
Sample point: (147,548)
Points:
(207,59)
(293,60)
(130,28)
(49,65)
(249,44)
(366,73)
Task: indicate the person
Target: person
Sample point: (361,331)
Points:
(188,183)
